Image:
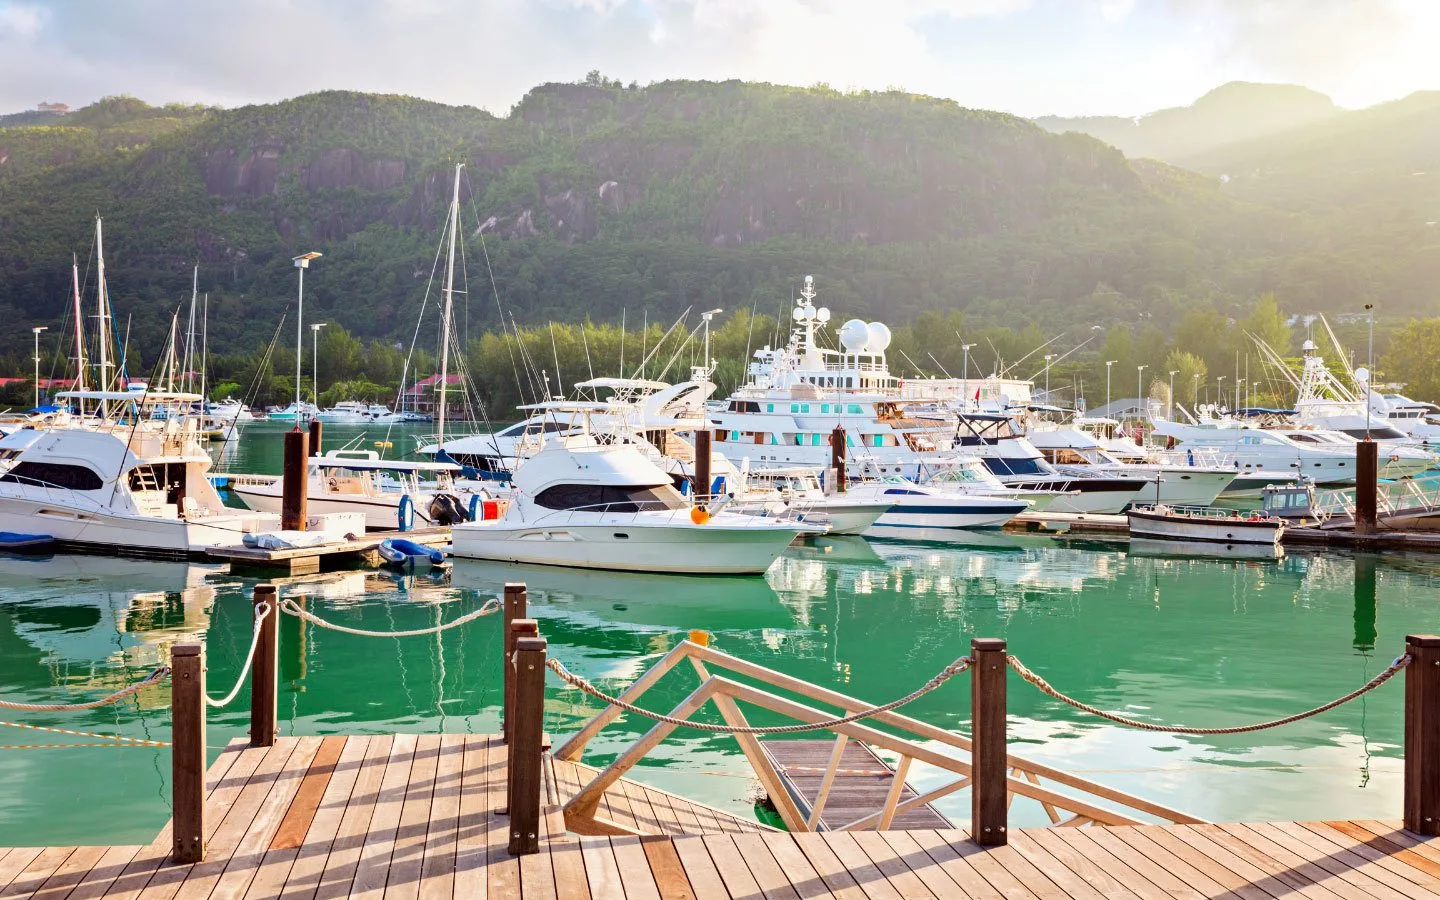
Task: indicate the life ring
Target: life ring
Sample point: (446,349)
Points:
(474,507)
(405,514)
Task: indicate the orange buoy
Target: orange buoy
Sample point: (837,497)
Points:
(699,515)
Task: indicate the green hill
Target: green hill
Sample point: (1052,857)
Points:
(594,197)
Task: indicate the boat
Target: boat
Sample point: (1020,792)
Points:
(797,490)
(408,555)
(354,412)
(1072,450)
(1258,450)
(932,507)
(15,542)
(1222,526)
(583,503)
(301,411)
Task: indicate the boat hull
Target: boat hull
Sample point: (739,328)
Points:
(1215,530)
(935,513)
(381,513)
(676,548)
(98,530)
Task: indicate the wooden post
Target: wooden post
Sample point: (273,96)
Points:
(702,465)
(525,759)
(1422,735)
(317,430)
(295,482)
(187,751)
(265,671)
(520,629)
(837,457)
(1367,478)
(516,601)
(988,756)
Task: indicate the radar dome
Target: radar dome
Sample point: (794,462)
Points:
(798,313)
(822,315)
(855,334)
(879,337)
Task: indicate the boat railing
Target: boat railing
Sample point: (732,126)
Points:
(1217,513)
(633,508)
(54,492)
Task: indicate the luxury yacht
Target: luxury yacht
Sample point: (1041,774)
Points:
(303,411)
(1259,450)
(579,502)
(797,491)
(1075,452)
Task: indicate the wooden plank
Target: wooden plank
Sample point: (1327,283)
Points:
(935,878)
(105,873)
(1376,863)
(1348,867)
(886,860)
(838,880)
(502,871)
(667,869)
(437,872)
(1249,863)
(14,863)
(700,871)
(291,833)
(295,874)
(473,825)
(69,873)
(774,882)
(731,866)
(928,844)
(634,865)
(1394,832)
(1259,839)
(1398,845)
(568,864)
(407,858)
(1055,857)
(537,876)
(953,848)
(601,868)
(374,864)
(803,876)
(1162,845)
(855,863)
(336,874)
(41,867)
(1145,877)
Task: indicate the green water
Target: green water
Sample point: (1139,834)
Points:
(1172,638)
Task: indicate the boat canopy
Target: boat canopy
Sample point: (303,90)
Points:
(618,384)
(130,396)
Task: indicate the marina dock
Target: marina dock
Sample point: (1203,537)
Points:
(309,560)
(418,816)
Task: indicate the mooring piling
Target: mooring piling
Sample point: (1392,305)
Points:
(187,753)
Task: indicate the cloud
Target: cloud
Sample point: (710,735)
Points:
(22,21)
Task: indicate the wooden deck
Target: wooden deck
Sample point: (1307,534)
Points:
(860,786)
(309,560)
(414,816)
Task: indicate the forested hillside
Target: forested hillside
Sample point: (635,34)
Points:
(593,198)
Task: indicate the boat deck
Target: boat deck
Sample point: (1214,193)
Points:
(416,816)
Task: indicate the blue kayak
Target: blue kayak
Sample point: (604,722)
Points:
(25,543)
(405,554)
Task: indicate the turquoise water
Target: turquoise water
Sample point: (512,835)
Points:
(1204,641)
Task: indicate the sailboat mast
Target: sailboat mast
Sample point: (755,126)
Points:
(104,311)
(204,352)
(189,362)
(79,325)
(449,305)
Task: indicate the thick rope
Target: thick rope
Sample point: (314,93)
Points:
(491,606)
(129,741)
(940,678)
(1046,688)
(153,678)
(262,609)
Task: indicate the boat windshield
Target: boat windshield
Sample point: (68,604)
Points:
(1014,466)
(610,497)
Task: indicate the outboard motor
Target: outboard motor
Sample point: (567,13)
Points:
(446,509)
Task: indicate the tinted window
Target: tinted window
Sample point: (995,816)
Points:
(1013,466)
(609,498)
(76,478)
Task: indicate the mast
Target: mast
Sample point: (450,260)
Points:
(449,305)
(79,326)
(104,310)
(204,352)
(188,364)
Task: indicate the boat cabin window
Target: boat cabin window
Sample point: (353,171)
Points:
(610,498)
(550,426)
(1377,432)
(1002,466)
(1065,456)
(75,478)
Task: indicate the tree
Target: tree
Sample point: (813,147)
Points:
(1411,358)
(1268,323)
(1186,366)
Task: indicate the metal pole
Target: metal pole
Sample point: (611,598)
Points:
(1140,385)
(315,358)
(1108,364)
(1170,412)
(37,331)
(1369,364)
(299,345)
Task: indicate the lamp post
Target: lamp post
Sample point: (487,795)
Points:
(302,262)
(37,329)
(1195,391)
(315,357)
(1108,364)
(1220,390)
(707,316)
(1369,367)
(1140,385)
(1170,412)
(1048,358)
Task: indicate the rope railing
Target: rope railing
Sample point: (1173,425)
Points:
(115,740)
(262,609)
(289,605)
(1049,690)
(154,677)
(944,675)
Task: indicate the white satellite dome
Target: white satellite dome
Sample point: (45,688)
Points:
(798,313)
(854,335)
(879,337)
(822,315)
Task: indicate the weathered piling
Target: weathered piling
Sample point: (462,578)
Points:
(837,457)
(516,601)
(317,431)
(295,481)
(702,465)
(525,749)
(1422,735)
(264,670)
(989,763)
(1367,479)
(187,751)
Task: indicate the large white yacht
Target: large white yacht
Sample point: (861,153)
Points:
(1255,449)
(1073,451)
(120,484)
(580,502)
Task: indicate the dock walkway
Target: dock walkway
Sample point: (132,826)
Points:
(417,816)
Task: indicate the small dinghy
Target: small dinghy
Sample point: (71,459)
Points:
(12,542)
(408,555)
(1221,526)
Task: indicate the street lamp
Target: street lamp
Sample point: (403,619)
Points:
(315,357)
(1170,413)
(707,316)
(302,262)
(1369,367)
(1108,364)
(1195,391)
(1048,358)
(1140,386)
(37,329)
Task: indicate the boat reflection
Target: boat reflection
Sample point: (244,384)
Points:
(1155,547)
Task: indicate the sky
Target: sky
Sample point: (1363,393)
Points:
(1029,57)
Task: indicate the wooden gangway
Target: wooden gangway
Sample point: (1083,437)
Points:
(416,816)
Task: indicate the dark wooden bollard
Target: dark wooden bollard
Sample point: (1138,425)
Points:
(1422,735)
(1367,478)
(837,457)
(317,432)
(295,482)
(525,749)
(264,671)
(520,629)
(516,601)
(989,764)
(702,466)
(187,751)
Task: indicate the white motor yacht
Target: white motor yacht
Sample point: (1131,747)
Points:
(1259,450)
(1073,451)
(932,508)
(302,411)
(578,502)
(1397,460)
(797,490)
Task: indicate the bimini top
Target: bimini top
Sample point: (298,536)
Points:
(617,384)
(131,396)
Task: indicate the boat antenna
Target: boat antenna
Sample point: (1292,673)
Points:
(1035,351)
(644,339)
(749,334)
(585,339)
(1062,356)
(622,342)
(448,309)
(995,369)
(555,355)
(937,363)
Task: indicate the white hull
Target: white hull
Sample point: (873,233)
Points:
(938,513)
(381,513)
(1220,530)
(1179,487)
(127,534)
(849,518)
(678,547)
(1104,502)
